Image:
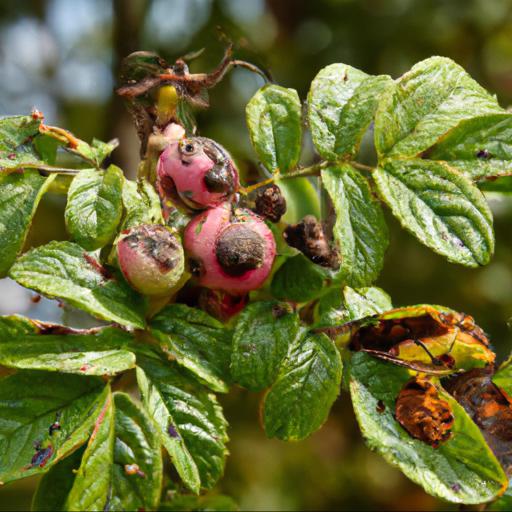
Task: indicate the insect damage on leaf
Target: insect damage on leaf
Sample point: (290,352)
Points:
(421,412)
(489,407)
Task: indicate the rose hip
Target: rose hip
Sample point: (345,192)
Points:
(230,251)
(151,259)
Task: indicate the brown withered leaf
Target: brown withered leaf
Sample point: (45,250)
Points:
(489,407)
(428,339)
(421,412)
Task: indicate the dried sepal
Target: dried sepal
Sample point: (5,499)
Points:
(308,237)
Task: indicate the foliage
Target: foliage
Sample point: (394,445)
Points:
(439,138)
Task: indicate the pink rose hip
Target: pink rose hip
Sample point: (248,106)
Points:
(230,251)
(198,170)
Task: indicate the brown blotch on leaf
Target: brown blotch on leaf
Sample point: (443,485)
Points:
(309,238)
(489,407)
(421,412)
(239,249)
(270,203)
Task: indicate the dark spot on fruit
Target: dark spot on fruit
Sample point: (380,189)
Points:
(239,249)
(157,243)
(456,487)
(219,178)
(381,407)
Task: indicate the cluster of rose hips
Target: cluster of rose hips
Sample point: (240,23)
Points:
(229,250)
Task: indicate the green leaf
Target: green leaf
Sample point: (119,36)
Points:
(274,121)
(503,376)
(298,279)
(428,101)
(186,503)
(263,333)
(307,385)
(479,147)
(95,152)
(141,204)
(30,402)
(189,421)
(91,488)
(46,147)
(54,486)
(341,105)
(94,207)
(501,185)
(16,130)
(461,470)
(122,465)
(360,230)
(66,271)
(350,305)
(440,207)
(20,194)
(33,345)
(365,302)
(196,341)
(302,199)
(16,149)
(504,503)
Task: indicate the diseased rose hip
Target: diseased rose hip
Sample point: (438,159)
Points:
(230,251)
(151,259)
(220,304)
(198,171)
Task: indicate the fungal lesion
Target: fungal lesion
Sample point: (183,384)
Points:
(240,249)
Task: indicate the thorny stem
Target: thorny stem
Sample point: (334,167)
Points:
(312,170)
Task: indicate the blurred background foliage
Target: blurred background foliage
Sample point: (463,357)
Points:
(62,57)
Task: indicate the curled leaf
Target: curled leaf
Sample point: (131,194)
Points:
(425,338)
